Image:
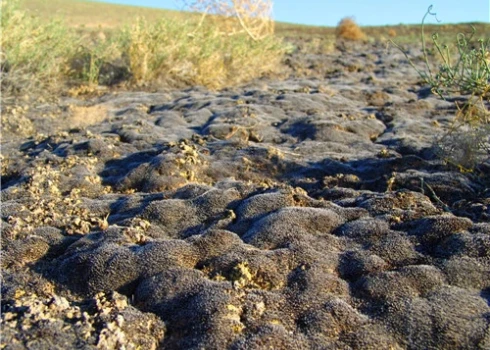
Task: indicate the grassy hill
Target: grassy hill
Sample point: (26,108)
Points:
(92,14)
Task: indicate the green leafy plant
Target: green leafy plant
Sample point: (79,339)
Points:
(460,69)
(464,67)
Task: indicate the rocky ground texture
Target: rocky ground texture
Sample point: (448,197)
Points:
(312,212)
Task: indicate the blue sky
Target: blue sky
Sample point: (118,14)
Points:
(367,12)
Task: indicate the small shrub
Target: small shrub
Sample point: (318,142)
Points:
(176,52)
(464,67)
(348,29)
(461,68)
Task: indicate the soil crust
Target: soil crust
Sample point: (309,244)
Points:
(312,212)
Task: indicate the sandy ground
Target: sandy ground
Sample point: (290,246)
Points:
(312,212)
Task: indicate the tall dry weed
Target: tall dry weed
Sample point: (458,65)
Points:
(253,17)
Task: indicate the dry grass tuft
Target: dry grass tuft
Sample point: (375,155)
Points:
(253,17)
(347,29)
(176,52)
